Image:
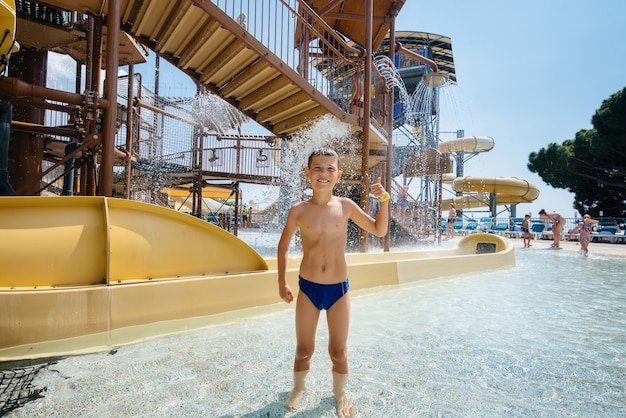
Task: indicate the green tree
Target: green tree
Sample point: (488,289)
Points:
(593,164)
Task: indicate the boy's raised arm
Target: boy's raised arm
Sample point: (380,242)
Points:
(382,217)
(380,225)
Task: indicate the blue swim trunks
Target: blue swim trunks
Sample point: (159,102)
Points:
(323,296)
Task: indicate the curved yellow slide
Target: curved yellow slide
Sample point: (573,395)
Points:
(426,161)
(7,24)
(468,144)
(508,190)
(83,274)
(79,241)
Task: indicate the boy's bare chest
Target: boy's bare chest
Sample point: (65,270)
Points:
(327,220)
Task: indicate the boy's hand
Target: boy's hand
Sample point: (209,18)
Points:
(378,190)
(285,293)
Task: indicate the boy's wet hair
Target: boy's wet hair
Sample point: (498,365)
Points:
(542,212)
(323,152)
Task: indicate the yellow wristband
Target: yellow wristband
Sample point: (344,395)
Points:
(385,198)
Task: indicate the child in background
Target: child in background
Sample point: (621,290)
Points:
(585,227)
(526,231)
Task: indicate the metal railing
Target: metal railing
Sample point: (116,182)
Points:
(292,31)
(253,157)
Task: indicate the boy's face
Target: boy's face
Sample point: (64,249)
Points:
(323,172)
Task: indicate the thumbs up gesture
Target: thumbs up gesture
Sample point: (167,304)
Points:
(379,191)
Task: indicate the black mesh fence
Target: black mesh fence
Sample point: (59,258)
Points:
(16,387)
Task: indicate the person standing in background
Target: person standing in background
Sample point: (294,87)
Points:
(558,222)
(450,222)
(585,227)
(526,231)
(356,100)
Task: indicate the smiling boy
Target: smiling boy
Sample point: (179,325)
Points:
(323,282)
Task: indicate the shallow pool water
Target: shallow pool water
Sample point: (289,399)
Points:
(546,338)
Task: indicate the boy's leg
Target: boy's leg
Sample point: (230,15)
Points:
(293,403)
(345,408)
(338,317)
(307,316)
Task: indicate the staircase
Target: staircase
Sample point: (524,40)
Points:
(277,61)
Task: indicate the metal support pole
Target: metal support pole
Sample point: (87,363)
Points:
(367,102)
(130,130)
(389,162)
(110,93)
(237,195)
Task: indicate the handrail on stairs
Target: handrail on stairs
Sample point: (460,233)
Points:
(299,37)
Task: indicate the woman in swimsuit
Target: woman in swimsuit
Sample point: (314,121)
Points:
(558,222)
(585,227)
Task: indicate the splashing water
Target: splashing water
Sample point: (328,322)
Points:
(421,111)
(215,114)
(327,131)
(416,104)
(388,71)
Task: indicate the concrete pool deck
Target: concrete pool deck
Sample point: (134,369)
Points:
(595,248)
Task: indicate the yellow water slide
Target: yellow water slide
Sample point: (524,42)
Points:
(8,44)
(507,190)
(81,241)
(426,161)
(468,144)
(44,321)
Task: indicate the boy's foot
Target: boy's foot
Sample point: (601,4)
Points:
(345,409)
(293,403)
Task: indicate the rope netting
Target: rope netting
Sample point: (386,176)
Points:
(16,387)
(170,134)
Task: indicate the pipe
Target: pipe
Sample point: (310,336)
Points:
(27,101)
(367,105)
(68,180)
(112,64)
(14,87)
(432,64)
(70,132)
(11,86)
(389,160)
(6,111)
(130,130)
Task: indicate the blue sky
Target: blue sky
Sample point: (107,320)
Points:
(529,73)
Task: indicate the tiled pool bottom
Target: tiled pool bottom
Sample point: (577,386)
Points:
(546,338)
